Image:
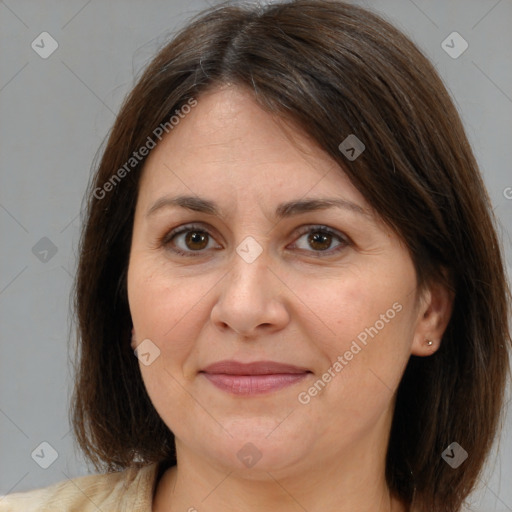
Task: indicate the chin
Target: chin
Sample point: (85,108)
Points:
(255,448)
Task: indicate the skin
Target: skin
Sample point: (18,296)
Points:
(294,304)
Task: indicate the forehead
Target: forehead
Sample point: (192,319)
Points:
(227,146)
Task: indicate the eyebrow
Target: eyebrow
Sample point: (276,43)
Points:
(283,210)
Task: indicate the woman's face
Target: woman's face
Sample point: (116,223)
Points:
(250,268)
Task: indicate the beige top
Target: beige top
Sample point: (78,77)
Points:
(130,490)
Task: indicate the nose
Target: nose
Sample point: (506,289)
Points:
(252,299)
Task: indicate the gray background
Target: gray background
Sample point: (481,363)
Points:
(55,113)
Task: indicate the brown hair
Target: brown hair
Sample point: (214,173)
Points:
(333,69)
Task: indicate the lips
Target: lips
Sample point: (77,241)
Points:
(255,368)
(253,378)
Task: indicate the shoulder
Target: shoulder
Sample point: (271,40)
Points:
(130,490)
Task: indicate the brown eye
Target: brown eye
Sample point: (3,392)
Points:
(196,240)
(319,240)
(189,241)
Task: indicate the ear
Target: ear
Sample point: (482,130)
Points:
(434,312)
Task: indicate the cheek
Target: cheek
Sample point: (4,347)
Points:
(165,311)
(362,327)
(166,308)
(149,295)
(356,305)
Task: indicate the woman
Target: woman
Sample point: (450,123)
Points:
(289,230)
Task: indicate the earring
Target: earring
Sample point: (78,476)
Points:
(429,342)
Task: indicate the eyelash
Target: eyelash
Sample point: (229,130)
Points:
(165,241)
